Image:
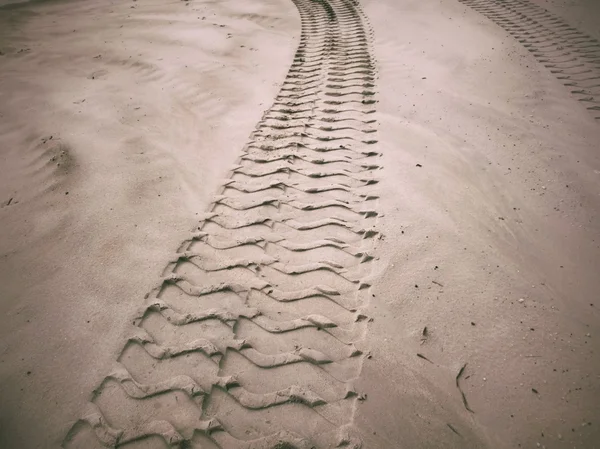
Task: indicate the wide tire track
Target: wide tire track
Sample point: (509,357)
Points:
(253,336)
(572,56)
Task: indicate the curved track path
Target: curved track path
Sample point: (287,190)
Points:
(252,338)
(571,55)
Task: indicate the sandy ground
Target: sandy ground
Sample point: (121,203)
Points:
(119,120)
(582,14)
(504,207)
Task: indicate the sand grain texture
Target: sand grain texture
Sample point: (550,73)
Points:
(402,254)
(137,113)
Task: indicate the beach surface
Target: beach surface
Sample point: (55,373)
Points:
(315,223)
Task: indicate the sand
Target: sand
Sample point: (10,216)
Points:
(119,123)
(136,102)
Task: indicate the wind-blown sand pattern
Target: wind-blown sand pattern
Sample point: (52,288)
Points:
(403,254)
(571,55)
(276,276)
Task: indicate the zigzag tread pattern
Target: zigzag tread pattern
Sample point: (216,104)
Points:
(571,55)
(254,334)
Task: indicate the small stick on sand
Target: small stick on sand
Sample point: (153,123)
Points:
(464,398)
(453,429)
(423,357)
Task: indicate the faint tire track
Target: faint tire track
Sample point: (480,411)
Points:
(572,56)
(253,336)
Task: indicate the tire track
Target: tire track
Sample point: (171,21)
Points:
(253,336)
(572,56)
